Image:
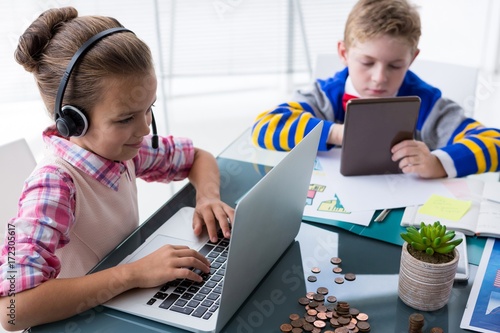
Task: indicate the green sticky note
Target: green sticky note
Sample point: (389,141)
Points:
(445,208)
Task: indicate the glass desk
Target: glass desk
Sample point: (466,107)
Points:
(374,291)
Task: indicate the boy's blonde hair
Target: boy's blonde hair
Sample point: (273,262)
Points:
(374,18)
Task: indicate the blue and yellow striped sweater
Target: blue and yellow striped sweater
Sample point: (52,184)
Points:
(442,125)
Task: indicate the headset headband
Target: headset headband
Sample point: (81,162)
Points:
(81,51)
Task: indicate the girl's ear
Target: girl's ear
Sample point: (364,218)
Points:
(342,52)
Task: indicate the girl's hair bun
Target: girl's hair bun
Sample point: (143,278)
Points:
(37,36)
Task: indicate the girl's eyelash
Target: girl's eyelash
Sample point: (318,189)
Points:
(126,120)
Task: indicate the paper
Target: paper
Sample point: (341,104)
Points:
(445,208)
(492,192)
(362,193)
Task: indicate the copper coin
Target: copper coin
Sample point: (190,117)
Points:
(335,260)
(334,322)
(343,320)
(310,319)
(310,295)
(304,301)
(321,315)
(363,326)
(322,290)
(339,280)
(350,276)
(331,299)
(319,297)
(294,316)
(416,317)
(362,317)
(286,328)
(308,327)
(319,324)
(315,270)
(316,330)
(354,312)
(312,278)
(437,330)
(321,308)
(312,312)
(313,304)
(297,323)
(297,330)
(337,270)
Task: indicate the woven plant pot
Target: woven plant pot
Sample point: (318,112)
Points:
(425,286)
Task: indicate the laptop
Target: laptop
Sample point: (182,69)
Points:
(267,220)
(372,127)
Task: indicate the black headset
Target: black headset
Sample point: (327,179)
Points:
(70,120)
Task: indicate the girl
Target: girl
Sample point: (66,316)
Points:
(80,202)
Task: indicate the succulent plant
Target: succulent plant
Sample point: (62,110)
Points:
(431,238)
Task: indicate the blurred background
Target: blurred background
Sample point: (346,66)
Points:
(221,62)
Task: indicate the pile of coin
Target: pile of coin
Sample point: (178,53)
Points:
(340,316)
(416,323)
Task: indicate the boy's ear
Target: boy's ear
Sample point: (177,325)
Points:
(415,56)
(342,52)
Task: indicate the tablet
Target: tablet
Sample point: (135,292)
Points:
(371,127)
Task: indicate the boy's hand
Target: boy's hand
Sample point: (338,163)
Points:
(336,135)
(415,157)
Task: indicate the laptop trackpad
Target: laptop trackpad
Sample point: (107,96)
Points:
(156,243)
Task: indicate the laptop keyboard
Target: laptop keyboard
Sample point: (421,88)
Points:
(197,299)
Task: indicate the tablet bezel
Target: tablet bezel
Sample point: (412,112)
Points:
(371,127)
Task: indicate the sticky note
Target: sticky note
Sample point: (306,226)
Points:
(445,208)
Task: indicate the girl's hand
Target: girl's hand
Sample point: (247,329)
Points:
(209,212)
(415,157)
(168,263)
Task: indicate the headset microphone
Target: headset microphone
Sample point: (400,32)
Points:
(154,138)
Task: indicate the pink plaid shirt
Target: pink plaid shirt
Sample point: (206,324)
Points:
(47,205)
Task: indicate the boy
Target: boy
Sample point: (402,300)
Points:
(380,43)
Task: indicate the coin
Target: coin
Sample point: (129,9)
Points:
(286,328)
(319,297)
(315,270)
(310,319)
(319,324)
(337,270)
(297,323)
(312,312)
(321,315)
(362,317)
(322,290)
(437,330)
(304,301)
(308,327)
(310,295)
(294,316)
(331,299)
(335,260)
(350,276)
(339,280)
(297,330)
(312,278)
(363,326)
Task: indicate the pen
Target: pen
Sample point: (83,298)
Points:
(380,217)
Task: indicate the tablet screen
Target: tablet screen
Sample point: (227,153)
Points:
(372,126)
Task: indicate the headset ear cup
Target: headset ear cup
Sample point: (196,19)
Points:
(71,122)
